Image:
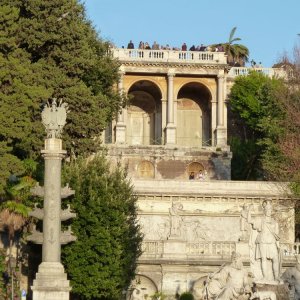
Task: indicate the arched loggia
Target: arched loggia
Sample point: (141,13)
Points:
(194,115)
(144,114)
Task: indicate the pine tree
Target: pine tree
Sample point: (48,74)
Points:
(49,49)
(102,262)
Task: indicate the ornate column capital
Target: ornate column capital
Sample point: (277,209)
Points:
(171,73)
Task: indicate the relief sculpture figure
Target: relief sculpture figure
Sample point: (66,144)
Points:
(264,245)
(175,219)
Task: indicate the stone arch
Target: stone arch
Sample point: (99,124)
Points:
(195,168)
(194,115)
(146,169)
(144,114)
(201,83)
(154,82)
(142,287)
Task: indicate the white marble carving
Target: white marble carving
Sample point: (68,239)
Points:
(229,282)
(176,220)
(243,224)
(264,246)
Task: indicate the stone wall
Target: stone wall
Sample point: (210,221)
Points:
(192,227)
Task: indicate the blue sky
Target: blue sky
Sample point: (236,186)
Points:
(266,27)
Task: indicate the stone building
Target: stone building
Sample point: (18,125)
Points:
(173,140)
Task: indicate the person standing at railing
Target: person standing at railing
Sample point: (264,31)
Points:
(155,46)
(141,45)
(130,45)
(184,47)
(147,46)
(202,48)
(193,48)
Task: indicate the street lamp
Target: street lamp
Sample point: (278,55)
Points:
(12,266)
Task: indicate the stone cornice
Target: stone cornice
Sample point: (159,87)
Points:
(168,65)
(219,188)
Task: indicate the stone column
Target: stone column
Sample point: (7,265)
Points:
(53,155)
(213,122)
(51,281)
(163,119)
(171,128)
(221,133)
(120,126)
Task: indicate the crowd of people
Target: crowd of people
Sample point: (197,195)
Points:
(184,47)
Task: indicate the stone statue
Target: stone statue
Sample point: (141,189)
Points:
(243,223)
(292,277)
(176,219)
(54,118)
(264,246)
(229,283)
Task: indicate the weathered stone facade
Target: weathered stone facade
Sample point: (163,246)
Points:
(173,140)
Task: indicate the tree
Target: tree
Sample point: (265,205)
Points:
(255,126)
(49,49)
(102,262)
(236,53)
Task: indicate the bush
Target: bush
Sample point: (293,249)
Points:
(186,296)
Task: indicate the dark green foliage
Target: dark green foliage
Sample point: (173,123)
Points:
(49,49)
(245,163)
(186,296)
(102,262)
(256,117)
(3,275)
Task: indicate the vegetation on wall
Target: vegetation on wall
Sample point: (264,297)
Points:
(102,262)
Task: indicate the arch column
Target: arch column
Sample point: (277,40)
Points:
(120,125)
(221,131)
(213,122)
(163,119)
(170,128)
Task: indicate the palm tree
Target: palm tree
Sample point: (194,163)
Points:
(13,217)
(235,52)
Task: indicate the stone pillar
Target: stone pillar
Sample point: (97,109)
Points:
(221,132)
(53,155)
(170,128)
(120,126)
(213,122)
(163,119)
(51,281)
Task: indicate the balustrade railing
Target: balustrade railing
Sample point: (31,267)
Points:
(271,72)
(169,56)
(206,249)
(290,250)
(223,249)
(155,249)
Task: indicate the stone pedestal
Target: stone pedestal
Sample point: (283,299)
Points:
(51,282)
(120,133)
(170,134)
(174,248)
(273,291)
(221,136)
